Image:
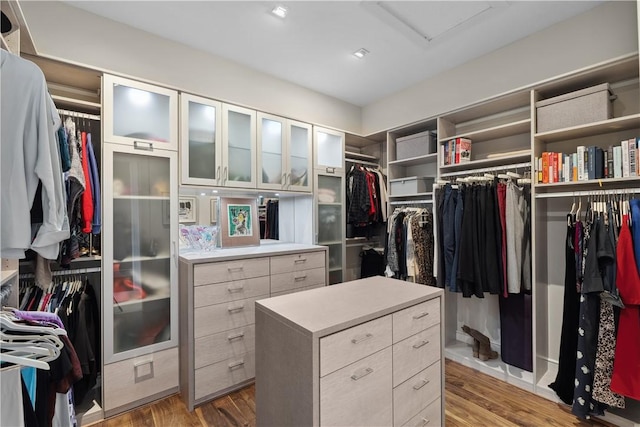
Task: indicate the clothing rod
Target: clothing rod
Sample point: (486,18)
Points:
(587,193)
(488,169)
(411,202)
(77,114)
(361,162)
(64,272)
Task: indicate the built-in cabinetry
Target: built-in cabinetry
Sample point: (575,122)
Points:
(329,190)
(218,291)
(552,202)
(284,154)
(140,264)
(361,353)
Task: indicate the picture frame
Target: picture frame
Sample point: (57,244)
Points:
(238,222)
(213,210)
(187,209)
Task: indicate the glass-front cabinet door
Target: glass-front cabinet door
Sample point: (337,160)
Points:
(272,172)
(299,162)
(329,150)
(139,114)
(330,224)
(140,251)
(200,140)
(239,147)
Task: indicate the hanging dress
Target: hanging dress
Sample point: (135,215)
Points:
(626,366)
(564,382)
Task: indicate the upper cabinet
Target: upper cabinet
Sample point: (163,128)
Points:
(328,150)
(284,160)
(201,137)
(140,114)
(239,147)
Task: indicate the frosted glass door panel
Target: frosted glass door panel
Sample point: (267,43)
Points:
(239,146)
(139,114)
(139,251)
(329,150)
(271,142)
(140,175)
(202,141)
(299,156)
(329,189)
(329,223)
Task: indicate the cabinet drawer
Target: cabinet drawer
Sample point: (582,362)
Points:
(297,279)
(290,291)
(431,416)
(214,348)
(297,262)
(227,271)
(130,380)
(222,317)
(230,291)
(359,394)
(414,394)
(415,353)
(416,318)
(350,345)
(224,374)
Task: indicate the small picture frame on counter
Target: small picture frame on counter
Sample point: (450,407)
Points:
(239,222)
(187,209)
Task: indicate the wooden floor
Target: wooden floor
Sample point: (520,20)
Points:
(473,399)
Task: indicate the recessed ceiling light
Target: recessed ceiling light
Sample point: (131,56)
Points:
(202,194)
(360,53)
(280,11)
(277,194)
(214,191)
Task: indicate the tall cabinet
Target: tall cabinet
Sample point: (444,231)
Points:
(140,169)
(329,186)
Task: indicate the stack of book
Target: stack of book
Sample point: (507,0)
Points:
(620,161)
(456,151)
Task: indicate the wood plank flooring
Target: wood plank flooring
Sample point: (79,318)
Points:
(473,399)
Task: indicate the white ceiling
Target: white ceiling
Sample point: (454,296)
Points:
(408,41)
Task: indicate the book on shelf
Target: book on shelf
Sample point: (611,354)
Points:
(625,157)
(581,156)
(610,161)
(457,151)
(574,166)
(632,157)
(617,161)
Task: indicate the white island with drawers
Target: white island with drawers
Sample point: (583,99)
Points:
(360,353)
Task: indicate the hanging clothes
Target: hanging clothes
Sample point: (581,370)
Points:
(626,366)
(564,382)
(30,121)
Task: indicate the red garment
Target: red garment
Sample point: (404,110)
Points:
(626,365)
(502,207)
(371,185)
(87,198)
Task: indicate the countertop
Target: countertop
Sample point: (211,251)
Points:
(266,248)
(323,311)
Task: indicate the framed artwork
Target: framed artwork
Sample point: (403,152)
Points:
(213,210)
(239,222)
(187,209)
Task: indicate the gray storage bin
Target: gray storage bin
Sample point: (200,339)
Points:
(589,105)
(410,185)
(415,145)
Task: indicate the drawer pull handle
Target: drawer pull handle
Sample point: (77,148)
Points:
(299,278)
(231,269)
(362,338)
(421,315)
(235,365)
(422,384)
(301,260)
(140,376)
(362,374)
(420,344)
(236,308)
(425,422)
(331,170)
(141,145)
(237,336)
(236,289)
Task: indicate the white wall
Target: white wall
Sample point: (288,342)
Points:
(74,35)
(604,32)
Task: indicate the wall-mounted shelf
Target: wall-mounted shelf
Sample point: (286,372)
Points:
(504,161)
(591,129)
(591,182)
(496,132)
(408,196)
(412,161)
(359,156)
